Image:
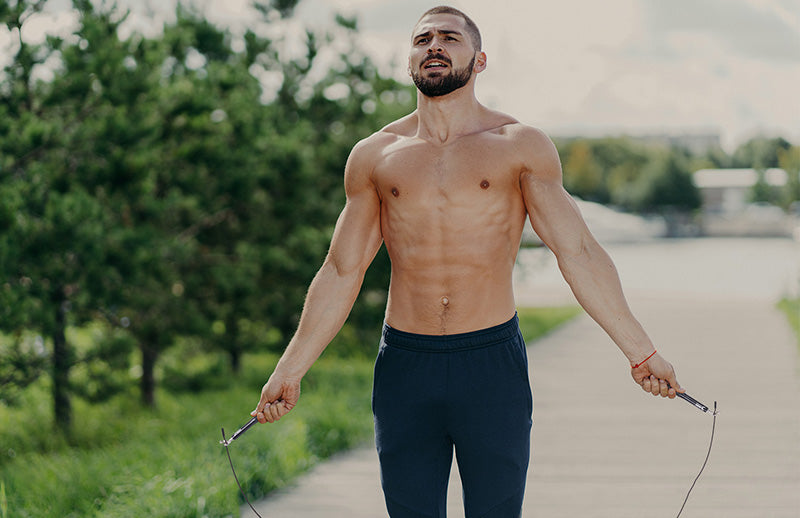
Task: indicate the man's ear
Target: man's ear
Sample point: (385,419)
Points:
(480,62)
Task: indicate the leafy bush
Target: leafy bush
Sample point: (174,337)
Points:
(126,460)
(791,307)
(123,460)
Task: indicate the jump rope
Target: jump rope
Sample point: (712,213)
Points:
(686,397)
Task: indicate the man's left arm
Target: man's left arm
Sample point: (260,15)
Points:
(586,266)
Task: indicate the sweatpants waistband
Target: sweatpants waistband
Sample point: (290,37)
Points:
(451,343)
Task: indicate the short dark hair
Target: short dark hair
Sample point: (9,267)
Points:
(472,29)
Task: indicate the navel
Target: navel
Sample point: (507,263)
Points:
(395,192)
(485,184)
(445,301)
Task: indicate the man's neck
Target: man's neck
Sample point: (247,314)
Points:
(442,119)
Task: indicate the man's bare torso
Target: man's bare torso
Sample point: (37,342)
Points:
(451,218)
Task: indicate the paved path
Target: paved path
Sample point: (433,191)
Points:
(607,452)
(603,448)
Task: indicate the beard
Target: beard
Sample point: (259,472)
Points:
(444,84)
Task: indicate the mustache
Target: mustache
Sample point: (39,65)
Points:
(437,57)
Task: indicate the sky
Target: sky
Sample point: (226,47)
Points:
(621,66)
(588,67)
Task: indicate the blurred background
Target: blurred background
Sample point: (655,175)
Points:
(170,174)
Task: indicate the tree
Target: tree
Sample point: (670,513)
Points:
(583,176)
(148,186)
(665,185)
(53,226)
(789,161)
(760,152)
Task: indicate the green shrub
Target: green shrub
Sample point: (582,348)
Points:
(125,460)
(791,307)
(128,461)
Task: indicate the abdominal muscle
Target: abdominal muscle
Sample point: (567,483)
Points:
(451,219)
(463,286)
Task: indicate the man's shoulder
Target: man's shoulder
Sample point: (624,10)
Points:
(532,146)
(368,151)
(384,137)
(510,129)
(522,133)
(529,141)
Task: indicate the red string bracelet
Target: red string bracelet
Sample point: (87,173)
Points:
(644,361)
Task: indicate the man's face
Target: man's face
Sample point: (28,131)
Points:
(442,57)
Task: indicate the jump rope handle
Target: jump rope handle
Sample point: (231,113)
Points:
(693,401)
(238,432)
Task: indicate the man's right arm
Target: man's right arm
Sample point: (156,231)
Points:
(331,295)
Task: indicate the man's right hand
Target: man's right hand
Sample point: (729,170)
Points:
(278,397)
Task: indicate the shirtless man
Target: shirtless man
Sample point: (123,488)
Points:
(447,189)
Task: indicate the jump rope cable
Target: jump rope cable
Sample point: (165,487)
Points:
(710,444)
(225,443)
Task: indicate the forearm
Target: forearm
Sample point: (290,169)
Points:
(595,282)
(330,298)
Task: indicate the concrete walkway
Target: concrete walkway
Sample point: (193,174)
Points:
(604,448)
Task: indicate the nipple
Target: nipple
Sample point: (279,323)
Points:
(485,184)
(395,192)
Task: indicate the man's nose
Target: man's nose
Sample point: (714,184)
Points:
(435,46)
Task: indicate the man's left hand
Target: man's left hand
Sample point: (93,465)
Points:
(657,376)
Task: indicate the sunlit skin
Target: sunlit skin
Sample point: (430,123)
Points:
(447,189)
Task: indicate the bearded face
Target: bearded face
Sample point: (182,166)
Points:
(437,81)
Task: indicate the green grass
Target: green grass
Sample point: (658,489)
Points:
(791,307)
(537,322)
(123,460)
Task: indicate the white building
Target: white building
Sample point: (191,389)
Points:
(727,206)
(728,191)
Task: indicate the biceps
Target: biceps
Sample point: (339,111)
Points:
(357,236)
(557,219)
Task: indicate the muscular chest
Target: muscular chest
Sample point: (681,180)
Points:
(473,171)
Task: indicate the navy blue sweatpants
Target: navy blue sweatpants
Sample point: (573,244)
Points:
(469,392)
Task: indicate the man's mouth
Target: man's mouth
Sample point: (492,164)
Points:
(435,64)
